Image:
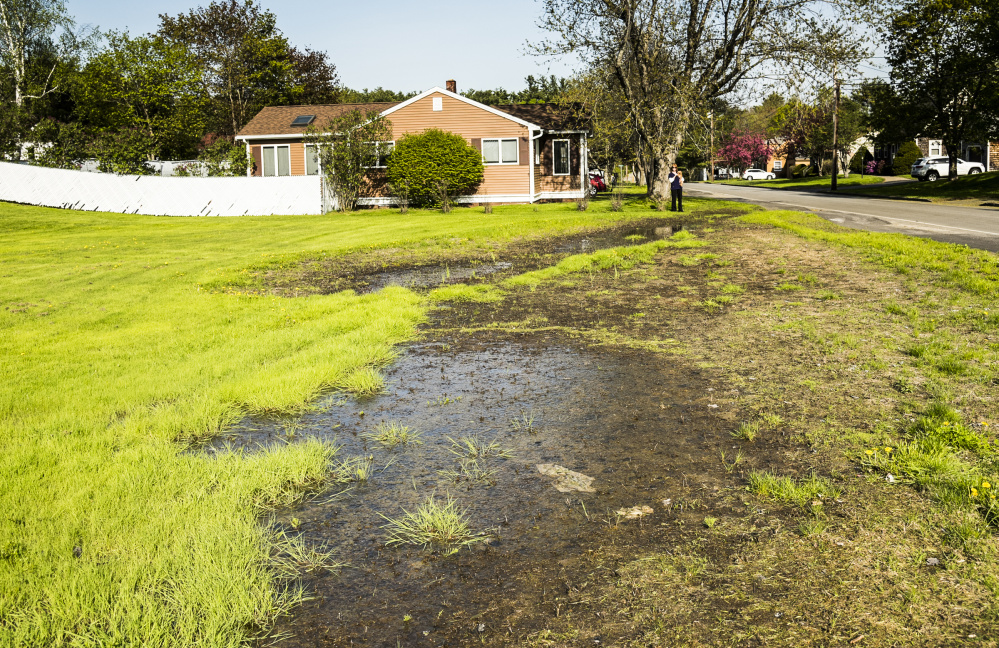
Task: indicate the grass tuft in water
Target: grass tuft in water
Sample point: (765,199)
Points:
(434,525)
(355,469)
(524,423)
(472,447)
(393,434)
(469,470)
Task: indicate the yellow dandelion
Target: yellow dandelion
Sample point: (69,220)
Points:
(887,448)
(992,497)
(974,492)
(985,484)
(870,452)
(946,423)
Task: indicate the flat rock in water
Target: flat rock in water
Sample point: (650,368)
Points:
(635,512)
(567,481)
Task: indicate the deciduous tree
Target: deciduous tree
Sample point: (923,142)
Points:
(672,58)
(247,61)
(27,28)
(148,83)
(347,146)
(944,69)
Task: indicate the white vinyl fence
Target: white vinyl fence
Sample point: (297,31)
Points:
(160,196)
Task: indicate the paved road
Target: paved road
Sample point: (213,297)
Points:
(974,226)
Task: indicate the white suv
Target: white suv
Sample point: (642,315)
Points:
(932,169)
(757,174)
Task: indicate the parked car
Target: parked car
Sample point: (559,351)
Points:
(757,174)
(597,183)
(932,169)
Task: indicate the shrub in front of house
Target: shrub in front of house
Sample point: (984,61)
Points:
(907,155)
(435,167)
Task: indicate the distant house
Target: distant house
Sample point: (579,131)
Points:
(986,153)
(531,152)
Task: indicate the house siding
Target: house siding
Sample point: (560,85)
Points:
(501,182)
(545,180)
(472,123)
(296,151)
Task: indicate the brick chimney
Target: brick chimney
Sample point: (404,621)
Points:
(452,86)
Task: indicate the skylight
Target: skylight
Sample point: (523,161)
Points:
(303,120)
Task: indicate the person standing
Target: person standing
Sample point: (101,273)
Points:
(676,190)
(669,180)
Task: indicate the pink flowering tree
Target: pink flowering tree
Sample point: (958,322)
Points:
(742,148)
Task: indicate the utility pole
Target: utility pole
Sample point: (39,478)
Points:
(835,157)
(711,153)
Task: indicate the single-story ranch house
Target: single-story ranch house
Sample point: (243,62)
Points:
(530,151)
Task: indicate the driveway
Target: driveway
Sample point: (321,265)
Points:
(976,227)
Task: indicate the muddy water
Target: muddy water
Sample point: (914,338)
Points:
(639,424)
(430,276)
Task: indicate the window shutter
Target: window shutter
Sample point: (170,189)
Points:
(477,144)
(546,155)
(573,157)
(525,152)
(258,167)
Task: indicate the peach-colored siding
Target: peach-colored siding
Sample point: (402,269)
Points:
(471,123)
(296,151)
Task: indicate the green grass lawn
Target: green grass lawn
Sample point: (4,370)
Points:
(982,187)
(116,354)
(809,183)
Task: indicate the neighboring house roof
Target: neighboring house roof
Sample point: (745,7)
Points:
(552,117)
(276,120)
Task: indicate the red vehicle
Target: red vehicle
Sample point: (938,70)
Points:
(597,183)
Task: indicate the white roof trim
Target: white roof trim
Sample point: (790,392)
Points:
(268,137)
(452,95)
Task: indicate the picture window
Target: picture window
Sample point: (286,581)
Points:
(500,151)
(276,160)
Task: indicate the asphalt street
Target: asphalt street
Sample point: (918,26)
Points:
(976,227)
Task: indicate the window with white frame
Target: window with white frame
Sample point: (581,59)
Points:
(381,153)
(500,151)
(438,104)
(560,159)
(935,146)
(311,160)
(276,160)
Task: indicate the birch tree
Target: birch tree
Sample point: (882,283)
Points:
(672,57)
(27,26)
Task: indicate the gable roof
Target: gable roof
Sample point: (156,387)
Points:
(464,99)
(276,120)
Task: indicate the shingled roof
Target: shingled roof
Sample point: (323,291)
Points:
(548,116)
(276,120)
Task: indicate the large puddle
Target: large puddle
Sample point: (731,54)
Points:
(434,275)
(645,429)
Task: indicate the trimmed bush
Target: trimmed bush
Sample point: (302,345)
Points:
(434,167)
(907,155)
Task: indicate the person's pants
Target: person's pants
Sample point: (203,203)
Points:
(677,195)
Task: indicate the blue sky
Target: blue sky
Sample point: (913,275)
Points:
(388,43)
